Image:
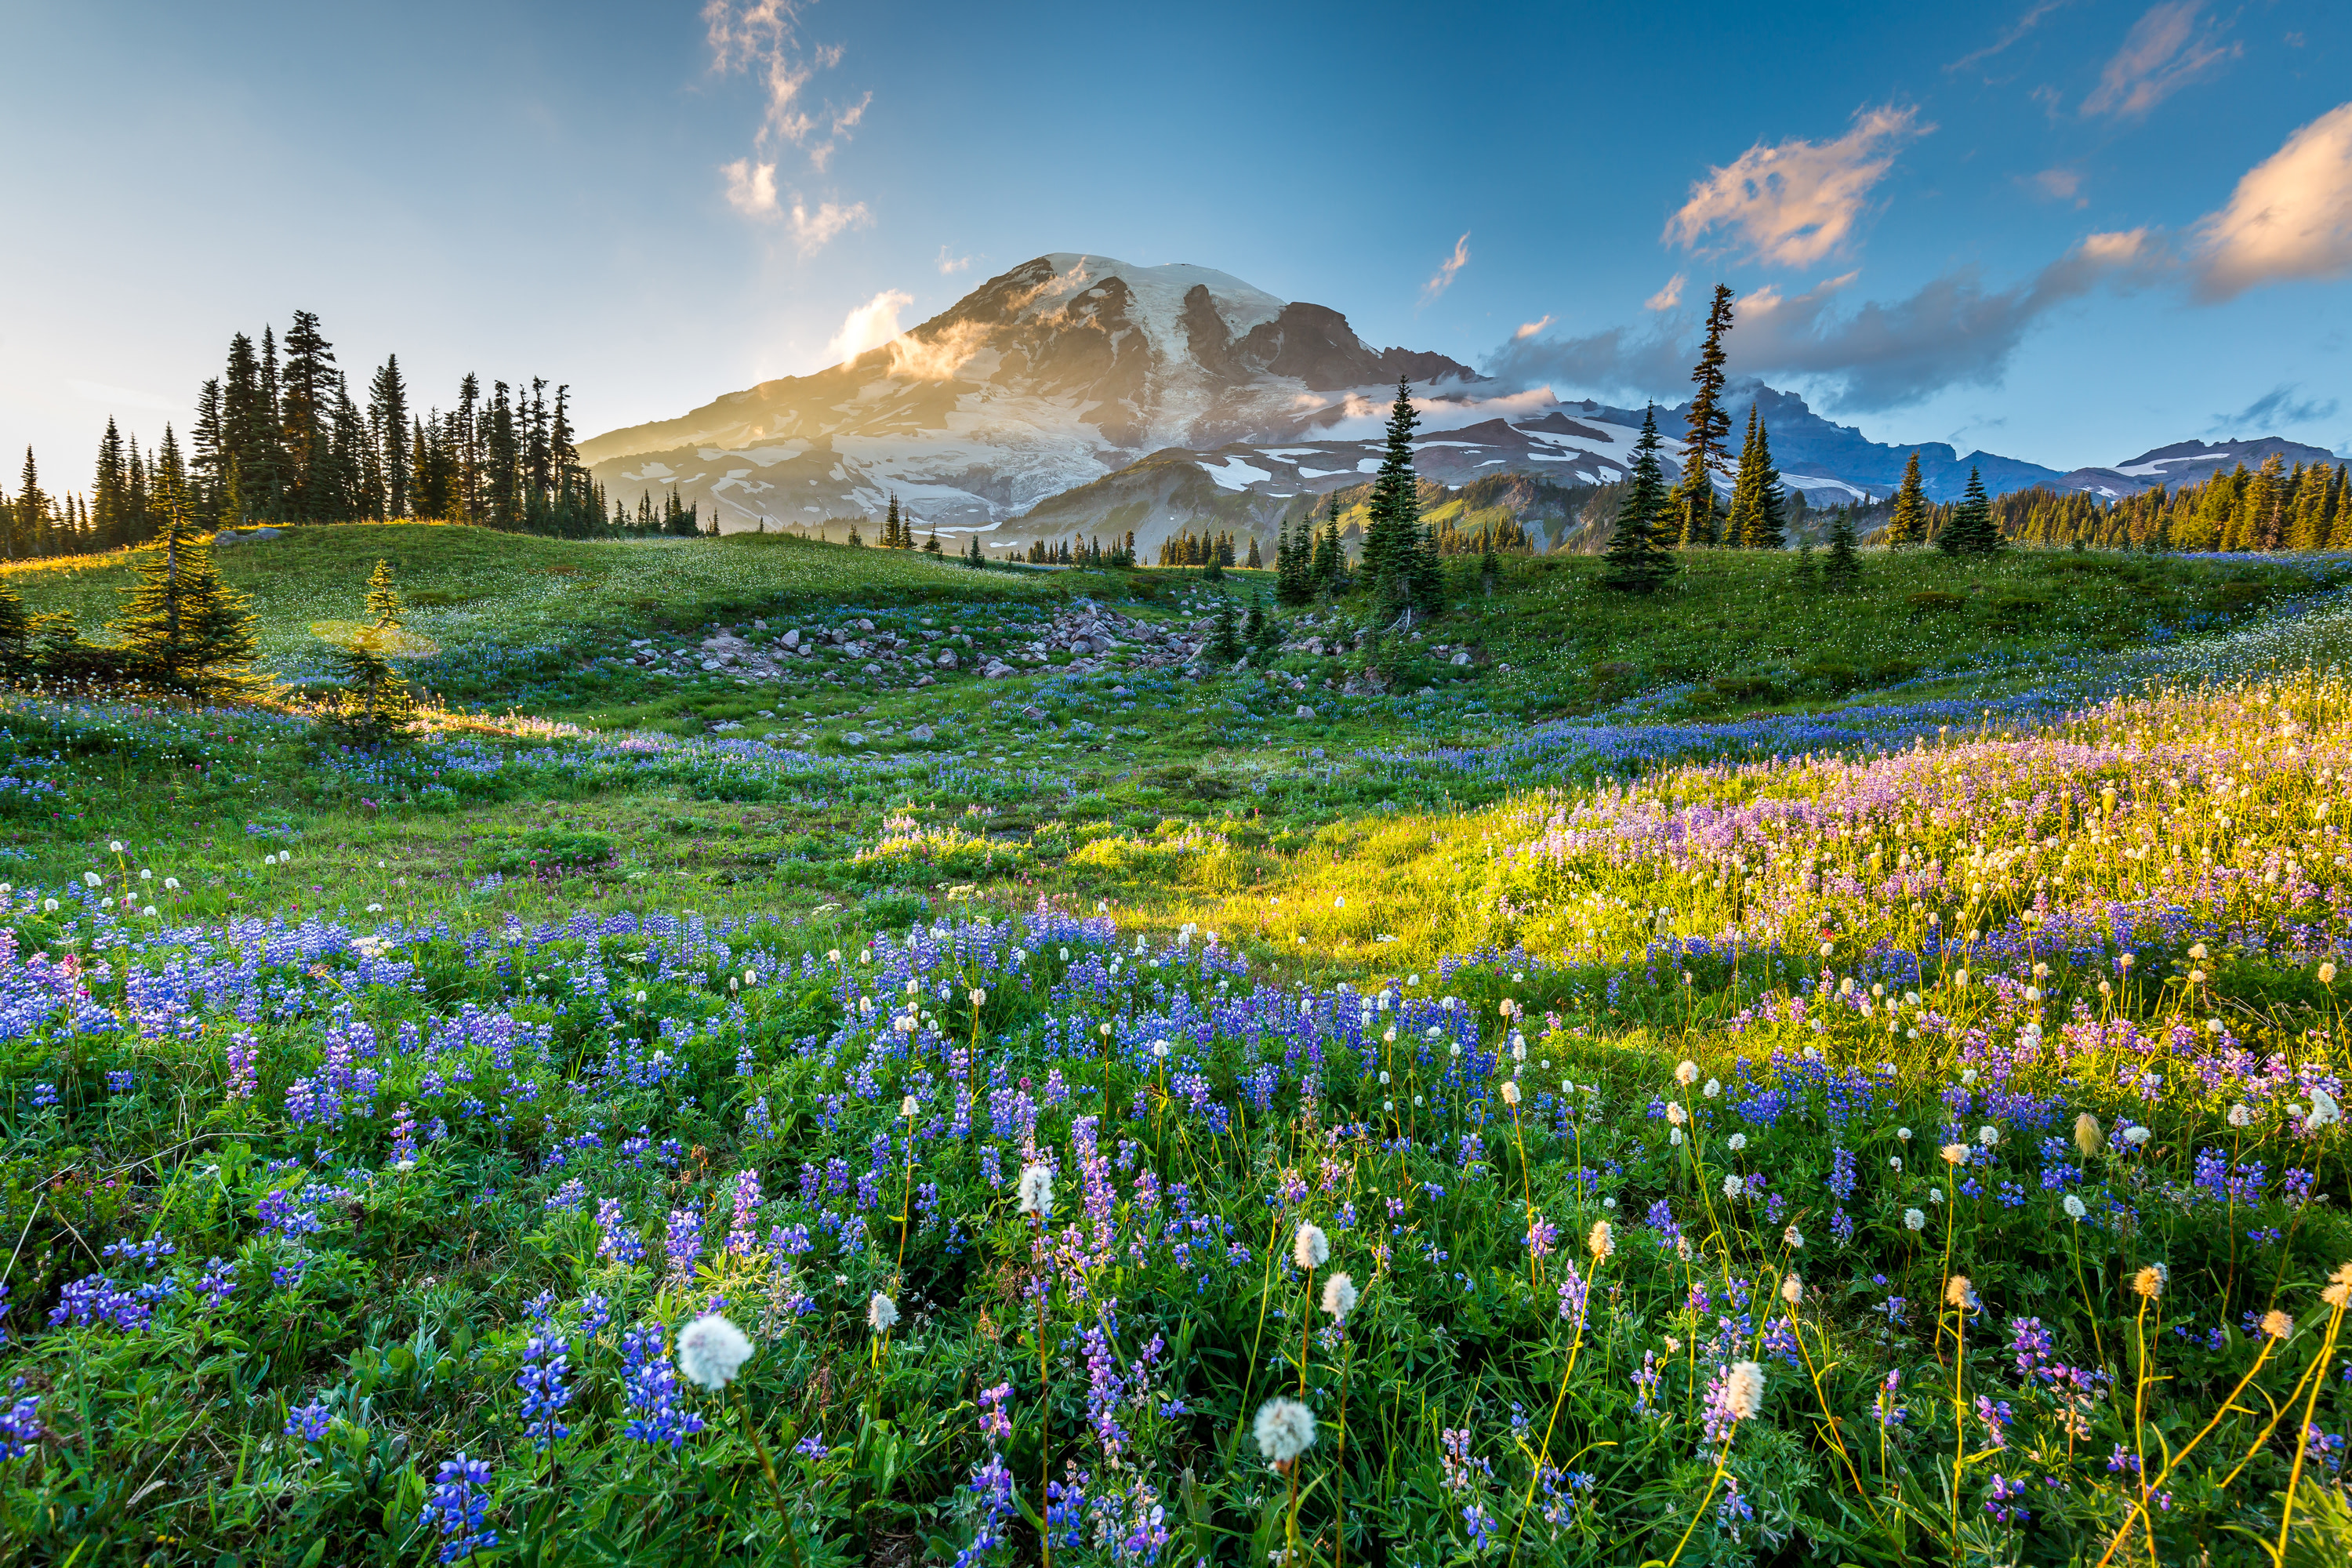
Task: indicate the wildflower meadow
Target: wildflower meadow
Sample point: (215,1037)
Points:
(1871,1140)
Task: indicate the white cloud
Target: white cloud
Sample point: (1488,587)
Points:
(2168,47)
(2025,25)
(813,230)
(1443,279)
(1667,298)
(762,37)
(750,187)
(1529,328)
(1798,201)
(868,326)
(2291,216)
(1954,331)
(2061,185)
(952,265)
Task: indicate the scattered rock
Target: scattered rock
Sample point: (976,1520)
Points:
(920,733)
(1303,711)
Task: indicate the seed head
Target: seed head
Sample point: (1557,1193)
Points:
(1686,1073)
(1339,1298)
(880,1313)
(1285,1429)
(1793,1290)
(709,1351)
(2073,1206)
(2148,1283)
(1743,1390)
(2277,1324)
(1036,1191)
(1310,1249)
(1511,1094)
(1956,1154)
(1958,1292)
(1602,1241)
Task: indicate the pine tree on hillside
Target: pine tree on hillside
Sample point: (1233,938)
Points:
(1637,562)
(1971,529)
(891,540)
(1393,528)
(181,627)
(1842,571)
(1224,643)
(376,704)
(1767,528)
(307,409)
(1694,503)
(931,545)
(1908,525)
(1256,563)
(15,632)
(32,507)
(388,424)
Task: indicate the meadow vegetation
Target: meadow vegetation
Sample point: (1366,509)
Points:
(1752,1074)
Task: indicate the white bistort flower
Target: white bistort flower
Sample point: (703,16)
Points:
(880,1313)
(2074,1208)
(1285,1429)
(1602,1241)
(1339,1298)
(709,1351)
(1036,1191)
(1310,1249)
(1743,1390)
(1914,1220)
(1686,1073)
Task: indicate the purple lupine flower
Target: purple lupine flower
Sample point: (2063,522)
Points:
(741,1241)
(651,1381)
(619,1244)
(545,1361)
(594,1313)
(459,1503)
(20,1424)
(684,1243)
(308,1422)
(403,1137)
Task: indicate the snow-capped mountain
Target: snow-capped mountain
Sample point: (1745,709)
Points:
(1083,394)
(2189,463)
(1065,368)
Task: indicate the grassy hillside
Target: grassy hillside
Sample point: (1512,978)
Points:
(1655,999)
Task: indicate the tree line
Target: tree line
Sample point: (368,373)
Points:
(278,437)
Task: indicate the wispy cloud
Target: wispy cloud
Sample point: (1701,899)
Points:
(2170,46)
(2291,216)
(2278,406)
(812,229)
(1796,202)
(1667,298)
(762,38)
(750,187)
(2059,185)
(869,326)
(2018,29)
(1529,328)
(1443,279)
(950,265)
(1954,331)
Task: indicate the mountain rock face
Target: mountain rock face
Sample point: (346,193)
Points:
(1082,395)
(1065,368)
(2190,462)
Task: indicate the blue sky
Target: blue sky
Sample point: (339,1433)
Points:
(2061,231)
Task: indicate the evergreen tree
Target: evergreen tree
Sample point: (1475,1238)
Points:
(1267,639)
(891,539)
(15,634)
(110,497)
(376,704)
(1694,502)
(1637,562)
(1254,623)
(31,513)
(1255,562)
(1393,528)
(1908,525)
(1757,520)
(931,545)
(1224,643)
(307,412)
(1843,570)
(388,423)
(1970,531)
(181,626)
(1807,577)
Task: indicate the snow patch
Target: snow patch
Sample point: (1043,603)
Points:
(1234,474)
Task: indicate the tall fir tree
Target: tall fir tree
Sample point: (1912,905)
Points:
(1757,520)
(307,413)
(1970,528)
(1908,522)
(180,626)
(1694,504)
(109,496)
(1393,536)
(1842,573)
(1637,560)
(31,511)
(388,423)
